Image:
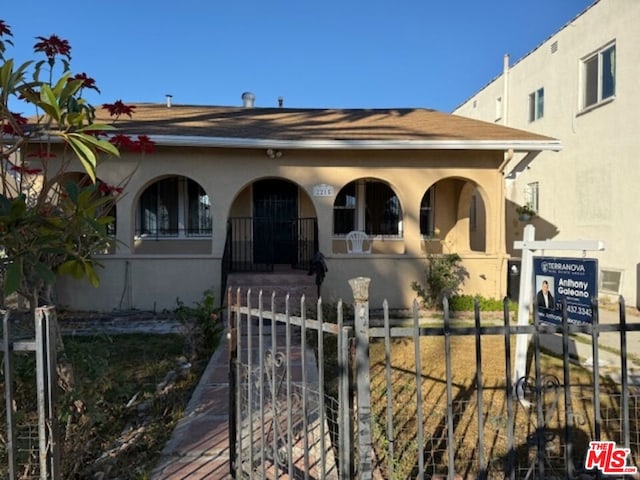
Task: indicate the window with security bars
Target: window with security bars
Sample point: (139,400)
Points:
(174,207)
(599,76)
(367,205)
(344,210)
(427,213)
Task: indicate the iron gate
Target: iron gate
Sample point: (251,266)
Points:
(409,420)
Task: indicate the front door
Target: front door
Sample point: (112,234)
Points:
(275,209)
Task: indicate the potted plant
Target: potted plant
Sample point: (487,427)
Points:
(525,212)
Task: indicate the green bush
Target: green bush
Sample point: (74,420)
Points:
(203,326)
(445,276)
(465,303)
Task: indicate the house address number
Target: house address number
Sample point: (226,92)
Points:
(323,190)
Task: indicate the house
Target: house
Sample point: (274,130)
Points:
(579,85)
(261,189)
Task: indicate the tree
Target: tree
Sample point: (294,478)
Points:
(52,220)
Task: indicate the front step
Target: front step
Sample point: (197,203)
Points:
(294,282)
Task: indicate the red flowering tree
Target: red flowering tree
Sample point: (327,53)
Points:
(51,221)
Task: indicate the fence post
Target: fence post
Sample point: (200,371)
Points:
(360,287)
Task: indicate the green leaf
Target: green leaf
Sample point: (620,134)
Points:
(13,277)
(92,275)
(72,190)
(86,156)
(102,145)
(49,103)
(97,127)
(74,267)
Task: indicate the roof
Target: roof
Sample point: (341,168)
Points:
(404,128)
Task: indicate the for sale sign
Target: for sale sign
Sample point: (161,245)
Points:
(573,279)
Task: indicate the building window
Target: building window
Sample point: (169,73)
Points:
(174,207)
(367,205)
(536,105)
(611,281)
(427,213)
(473,214)
(599,76)
(344,210)
(531,195)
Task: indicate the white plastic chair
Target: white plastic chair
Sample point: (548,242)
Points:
(356,240)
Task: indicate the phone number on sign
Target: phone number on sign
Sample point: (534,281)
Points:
(579,310)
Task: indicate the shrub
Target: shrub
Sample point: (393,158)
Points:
(202,325)
(445,276)
(465,303)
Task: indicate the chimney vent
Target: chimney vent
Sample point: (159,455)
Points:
(280,102)
(169,97)
(248,99)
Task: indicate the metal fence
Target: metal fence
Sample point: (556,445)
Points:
(358,398)
(29,438)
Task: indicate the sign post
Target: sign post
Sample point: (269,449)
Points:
(528,245)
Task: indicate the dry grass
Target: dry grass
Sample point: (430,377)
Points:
(464,393)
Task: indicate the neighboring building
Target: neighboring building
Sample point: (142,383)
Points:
(580,86)
(249,188)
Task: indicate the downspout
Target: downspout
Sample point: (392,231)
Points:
(505,90)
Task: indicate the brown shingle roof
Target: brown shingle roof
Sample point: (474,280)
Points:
(402,124)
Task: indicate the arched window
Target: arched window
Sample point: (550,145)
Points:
(367,205)
(427,213)
(174,207)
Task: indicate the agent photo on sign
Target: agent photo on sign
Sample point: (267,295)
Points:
(544,297)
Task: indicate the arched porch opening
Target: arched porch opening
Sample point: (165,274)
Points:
(272,221)
(453,217)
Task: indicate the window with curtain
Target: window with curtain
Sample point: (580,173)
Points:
(174,207)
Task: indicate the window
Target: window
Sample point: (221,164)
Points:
(367,205)
(427,213)
(536,105)
(473,214)
(344,210)
(531,195)
(175,206)
(611,281)
(599,76)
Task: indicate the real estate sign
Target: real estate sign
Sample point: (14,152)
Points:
(573,279)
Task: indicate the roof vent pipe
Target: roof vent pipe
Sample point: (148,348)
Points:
(169,97)
(280,102)
(248,99)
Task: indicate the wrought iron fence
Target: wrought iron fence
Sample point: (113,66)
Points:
(419,399)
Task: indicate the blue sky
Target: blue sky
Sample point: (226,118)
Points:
(330,53)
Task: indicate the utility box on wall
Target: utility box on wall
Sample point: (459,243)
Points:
(513,279)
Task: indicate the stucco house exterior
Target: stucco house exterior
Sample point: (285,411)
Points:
(581,86)
(257,189)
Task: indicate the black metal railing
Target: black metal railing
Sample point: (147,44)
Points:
(255,244)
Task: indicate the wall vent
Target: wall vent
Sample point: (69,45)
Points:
(554,47)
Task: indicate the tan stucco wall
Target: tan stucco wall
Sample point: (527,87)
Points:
(157,278)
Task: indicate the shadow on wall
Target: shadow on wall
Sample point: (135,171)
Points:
(515,226)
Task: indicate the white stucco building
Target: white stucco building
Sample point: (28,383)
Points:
(581,86)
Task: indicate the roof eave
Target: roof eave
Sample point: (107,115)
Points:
(229,142)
